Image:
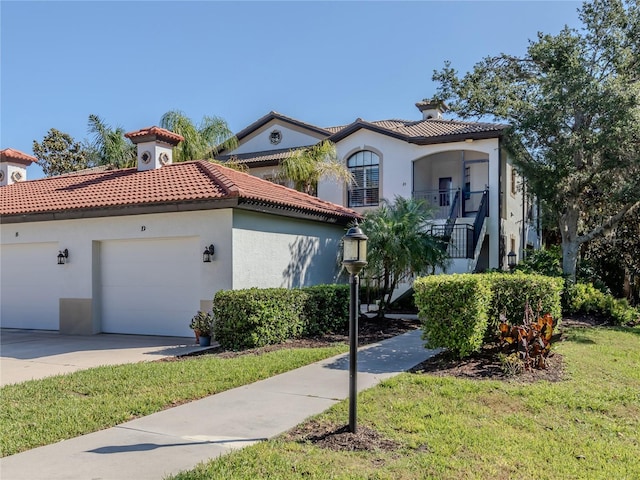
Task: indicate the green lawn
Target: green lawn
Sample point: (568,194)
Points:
(40,412)
(585,427)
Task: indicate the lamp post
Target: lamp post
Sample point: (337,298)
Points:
(354,259)
(512,260)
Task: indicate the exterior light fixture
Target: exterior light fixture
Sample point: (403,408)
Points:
(512,260)
(354,256)
(354,259)
(208,253)
(63,255)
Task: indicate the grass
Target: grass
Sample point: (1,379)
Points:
(41,412)
(585,427)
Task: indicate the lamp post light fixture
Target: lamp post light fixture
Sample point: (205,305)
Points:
(208,253)
(63,255)
(354,259)
(512,260)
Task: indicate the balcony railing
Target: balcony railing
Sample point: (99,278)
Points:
(458,239)
(441,201)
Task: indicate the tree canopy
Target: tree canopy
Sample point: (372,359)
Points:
(110,146)
(201,141)
(305,167)
(573,103)
(59,153)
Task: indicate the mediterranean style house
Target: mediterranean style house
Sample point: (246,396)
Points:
(141,250)
(461,169)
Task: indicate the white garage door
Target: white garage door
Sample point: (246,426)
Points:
(29,286)
(150,287)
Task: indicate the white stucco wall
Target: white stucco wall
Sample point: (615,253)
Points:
(79,279)
(288,253)
(292,136)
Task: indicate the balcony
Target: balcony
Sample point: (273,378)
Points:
(444,201)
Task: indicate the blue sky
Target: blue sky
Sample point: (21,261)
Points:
(326,63)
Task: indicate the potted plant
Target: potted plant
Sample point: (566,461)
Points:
(202,325)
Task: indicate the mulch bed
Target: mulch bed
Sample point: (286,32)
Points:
(339,438)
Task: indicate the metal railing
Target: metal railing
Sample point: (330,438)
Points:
(483,213)
(441,201)
(457,238)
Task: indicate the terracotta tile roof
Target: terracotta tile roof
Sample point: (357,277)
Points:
(11,154)
(264,158)
(198,181)
(154,132)
(256,189)
(422,131)
(437,128)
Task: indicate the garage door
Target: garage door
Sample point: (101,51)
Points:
(150,287)
(29,286)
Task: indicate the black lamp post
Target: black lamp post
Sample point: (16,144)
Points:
(354,259)
(512,260)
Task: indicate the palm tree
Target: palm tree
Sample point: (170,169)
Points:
(399,245)
(305,167)
(110,147)
(201,141)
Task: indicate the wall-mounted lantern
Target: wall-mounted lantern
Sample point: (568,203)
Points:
(63,255)
(512,260)
(207,255)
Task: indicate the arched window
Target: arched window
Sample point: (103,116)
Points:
(364,166)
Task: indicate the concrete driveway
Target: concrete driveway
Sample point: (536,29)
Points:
(32,354)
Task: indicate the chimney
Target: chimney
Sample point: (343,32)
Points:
(432,109)
(13,166)
(155,147)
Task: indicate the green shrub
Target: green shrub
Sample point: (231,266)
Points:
(546,262)
(587,299)
(512,292)
(256,317)
(453,310)
(326,309)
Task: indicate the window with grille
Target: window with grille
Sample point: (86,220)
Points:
(364,166)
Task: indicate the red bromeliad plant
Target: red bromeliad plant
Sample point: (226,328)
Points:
(532,339)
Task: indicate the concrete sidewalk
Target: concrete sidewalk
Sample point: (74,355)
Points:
(178,438)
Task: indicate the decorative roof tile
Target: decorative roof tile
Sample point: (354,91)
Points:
(150,133)
(198,181)
(11,154)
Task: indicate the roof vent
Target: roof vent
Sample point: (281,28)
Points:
(155,147)
(432,109)
(13,166)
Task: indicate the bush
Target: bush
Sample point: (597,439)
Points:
(453,310)
(546,262)
(257,317)
(512,292)
(326,309)
(587,299)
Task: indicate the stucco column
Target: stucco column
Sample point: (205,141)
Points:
(494,208)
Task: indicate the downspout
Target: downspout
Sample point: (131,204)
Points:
(501,258)
(524,213)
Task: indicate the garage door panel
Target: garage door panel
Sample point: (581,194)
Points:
(150,286)
(29,277)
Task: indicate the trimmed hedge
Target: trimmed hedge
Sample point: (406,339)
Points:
(512,292)
(257,317)
(326,309)
(459,312)
(454,311)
